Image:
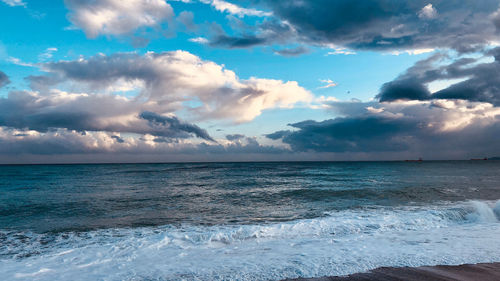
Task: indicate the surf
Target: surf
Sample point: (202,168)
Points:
(338,243)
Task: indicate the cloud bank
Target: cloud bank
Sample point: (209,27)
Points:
(170,81)
(461,118)
(128,103)
(89,112)
(480,80)
(384,25)
(441,129)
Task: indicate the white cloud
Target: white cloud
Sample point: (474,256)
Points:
(49,52)
(413,52)
(199,40)
(322,102)
(329,83)
(117,17)
(438,85)
(13,3)
(176,81)
(428,12)
(340,51)
(19,62)
(224,6)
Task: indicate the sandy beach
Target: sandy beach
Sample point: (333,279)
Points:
(466,272)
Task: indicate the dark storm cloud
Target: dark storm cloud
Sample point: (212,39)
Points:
(481,84)
(174,125)
(383,24)
(4,79)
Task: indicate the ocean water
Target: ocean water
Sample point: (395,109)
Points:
(244,221)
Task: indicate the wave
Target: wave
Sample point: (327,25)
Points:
(484,212)
(341,242)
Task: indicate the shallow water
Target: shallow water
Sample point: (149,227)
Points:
(244,221)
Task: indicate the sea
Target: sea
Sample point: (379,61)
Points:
(244,221)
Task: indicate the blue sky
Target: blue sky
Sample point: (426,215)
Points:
(371,73)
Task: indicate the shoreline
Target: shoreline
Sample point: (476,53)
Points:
(464,272)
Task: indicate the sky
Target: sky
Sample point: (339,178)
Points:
(90,81)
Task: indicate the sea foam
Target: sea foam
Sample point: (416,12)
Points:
(338,243)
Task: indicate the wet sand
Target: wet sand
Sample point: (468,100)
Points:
(466,272)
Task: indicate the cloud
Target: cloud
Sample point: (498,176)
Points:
(48,54)
(173,124)
(383,25)
(444,129)
(89,112)
(14,3)
(19,62)
(63,146)
(130,103)
(243,41)
(412,52)
(269,32)
(4,79)
(224,6)
(167,81)
(199,40)
(479,81)
(292,52)
(403,89)
(187,19)
(110,17)
(457,120)
(366,134)
(427,12)
(340,51)
(234,137)
(404,130)
(278,135)
(329,83)
(118,139)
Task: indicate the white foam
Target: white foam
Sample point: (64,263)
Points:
(34,274)
(339,243)
(483,212)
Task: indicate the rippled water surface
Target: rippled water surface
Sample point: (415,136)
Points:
(244,221)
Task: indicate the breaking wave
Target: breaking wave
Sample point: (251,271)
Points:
(338,243)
